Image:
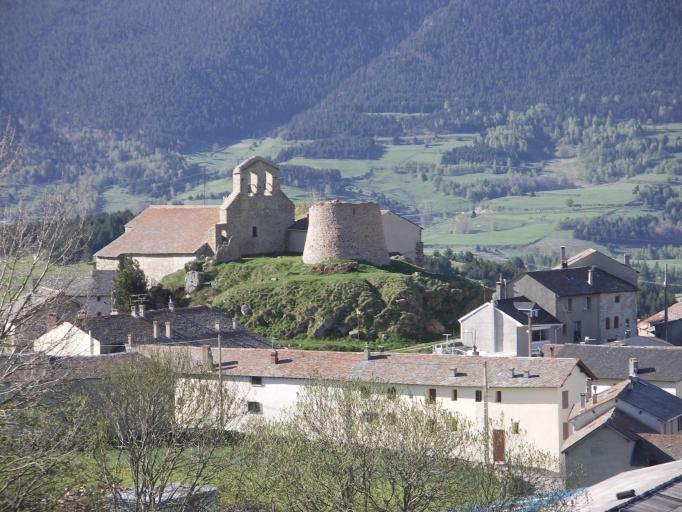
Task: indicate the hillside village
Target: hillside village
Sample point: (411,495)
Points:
(557,358)
(324,256)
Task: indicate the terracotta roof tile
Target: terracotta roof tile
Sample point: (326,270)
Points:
(165,230)
(417,369)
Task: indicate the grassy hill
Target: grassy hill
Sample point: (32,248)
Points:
(315,307)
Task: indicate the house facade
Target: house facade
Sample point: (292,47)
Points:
(531,396)
(501,327)
(589,302)
(656,325)
(632,424)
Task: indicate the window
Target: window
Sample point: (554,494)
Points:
(454,395)
(616,322)
(569,304)
(479,395)
(607,323)
(588,302)
(577,331)
(254,231)
(616,299)
(565,430)
(564,399)
(432,395)
(256,381)
(498,396)
(254,407)
(391,393)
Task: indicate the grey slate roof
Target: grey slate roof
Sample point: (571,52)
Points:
(567,282)
(611,362)
(194,325)
(300,224)
(417,369)
(652,399)
(98,283)
(517,307)
(640,341)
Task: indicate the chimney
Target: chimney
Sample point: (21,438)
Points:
(526,373)
(590,275)
(588,388)
(551,351)
(633,368)
(626,259)
(368,354)
(142,308)
(564,261)
(513,372)
(594,398)
(168,329)
(582,401)
(499,293)
(155,329)
(453,372)
(133,311)
(129,345)
(274,357)
(171,304)
(52,320)
(216,326)
(234,324)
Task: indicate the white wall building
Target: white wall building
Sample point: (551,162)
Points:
(531,395)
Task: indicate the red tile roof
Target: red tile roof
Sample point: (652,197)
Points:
(417,369)
(165,230)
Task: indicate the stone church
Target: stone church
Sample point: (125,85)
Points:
(256,218)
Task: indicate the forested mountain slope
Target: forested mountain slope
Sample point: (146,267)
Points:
(172,69)
(579,57)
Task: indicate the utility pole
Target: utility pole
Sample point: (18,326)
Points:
(486,433)
(665,302)
(530,332)
(220,370)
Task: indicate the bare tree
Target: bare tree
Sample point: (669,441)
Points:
(160,428)
(357,446)
(37,436)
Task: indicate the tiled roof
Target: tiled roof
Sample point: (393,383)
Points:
(674,313)
(98,283)
(194,325)
(300,224)
(640,341)
(35,367)
(165,230)
(639,394)
(611,362)
(669,444)
(417,369)
(613,418)
(517,307)
(573,281)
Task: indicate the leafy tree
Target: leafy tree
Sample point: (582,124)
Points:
(128,281)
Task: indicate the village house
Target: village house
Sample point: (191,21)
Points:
(570,303)
(531,396)
(92,293)
(501,327)
(255,218)
(631,424)
(193,326)
(660,365)
(655,325)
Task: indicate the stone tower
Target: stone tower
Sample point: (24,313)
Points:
(341,230)
(255,216)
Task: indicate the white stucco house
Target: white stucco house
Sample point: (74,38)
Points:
(72,339)
(632,424)
(531,396)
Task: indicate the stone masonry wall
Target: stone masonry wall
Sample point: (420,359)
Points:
(340,230)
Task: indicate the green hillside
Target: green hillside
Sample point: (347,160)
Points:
(316,306)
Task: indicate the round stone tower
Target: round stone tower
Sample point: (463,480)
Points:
(350,231)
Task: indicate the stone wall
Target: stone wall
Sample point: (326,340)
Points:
(255,217)
(340,230)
